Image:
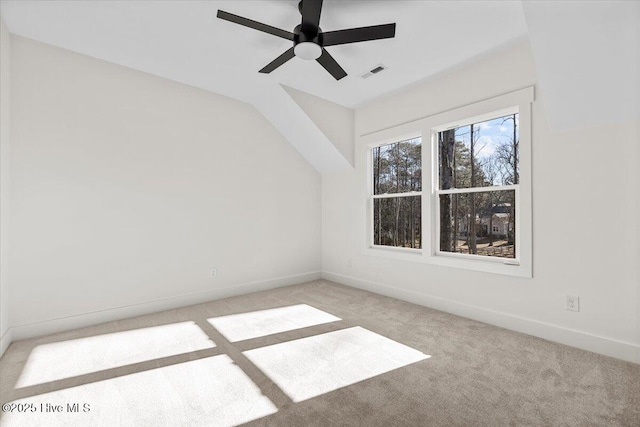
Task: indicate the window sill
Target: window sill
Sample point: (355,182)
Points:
(401,254)
(507,267)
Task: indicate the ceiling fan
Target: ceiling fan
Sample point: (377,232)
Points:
(309,41)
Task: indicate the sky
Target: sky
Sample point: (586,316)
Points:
(489,135)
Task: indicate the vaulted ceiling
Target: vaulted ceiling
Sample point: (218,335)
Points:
(185,42)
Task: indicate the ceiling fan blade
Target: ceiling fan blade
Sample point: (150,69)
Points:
(330,64)
(362,34)
(255,25)
(278,61)
(311,14)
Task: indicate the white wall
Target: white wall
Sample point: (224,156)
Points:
(581,180)
(636,176)
(5,90)
(128,188)
(567,36)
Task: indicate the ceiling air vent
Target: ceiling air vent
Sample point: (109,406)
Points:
(375,70)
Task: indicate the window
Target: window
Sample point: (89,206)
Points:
(397,194)
(477,166)
(464,199)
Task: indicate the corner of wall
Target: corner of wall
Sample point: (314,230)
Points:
(5,51)
(5,341)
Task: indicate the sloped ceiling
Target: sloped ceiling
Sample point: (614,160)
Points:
(185,42)
(334,120)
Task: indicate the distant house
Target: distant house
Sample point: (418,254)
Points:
(497,222)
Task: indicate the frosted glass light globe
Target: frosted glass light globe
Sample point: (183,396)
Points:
(307,50)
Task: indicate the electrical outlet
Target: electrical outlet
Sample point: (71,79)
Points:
(573,303)
(350,262)
(214,272)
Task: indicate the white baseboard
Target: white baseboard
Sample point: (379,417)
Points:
(31,330)
(621,350)
(597,344)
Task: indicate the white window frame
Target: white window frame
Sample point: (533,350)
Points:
(427,128)
(372,196)
(437,192)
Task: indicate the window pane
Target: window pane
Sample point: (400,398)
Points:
(397,167)
(396,222)
(492,231)
(480,155)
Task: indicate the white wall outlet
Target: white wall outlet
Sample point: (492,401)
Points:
(573,303)
(214,272)
(350,262)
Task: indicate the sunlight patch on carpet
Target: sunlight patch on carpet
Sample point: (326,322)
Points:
(207,392)
(254,324)
(65,359)
(316,365)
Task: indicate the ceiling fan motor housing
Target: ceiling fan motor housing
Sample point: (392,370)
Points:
(312,35)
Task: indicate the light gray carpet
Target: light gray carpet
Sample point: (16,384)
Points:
(383,363)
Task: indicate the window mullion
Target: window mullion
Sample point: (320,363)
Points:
(396,195)
(477,189)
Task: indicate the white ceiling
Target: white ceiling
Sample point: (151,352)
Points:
(587,53)
(184,41)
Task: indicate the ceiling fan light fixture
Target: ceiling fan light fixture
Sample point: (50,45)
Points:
(309,41)
(307,50)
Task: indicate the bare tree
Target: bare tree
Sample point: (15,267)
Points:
(507,154)
(490,168)
(376,185)
(397,169)
(446,141)
(473,249)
